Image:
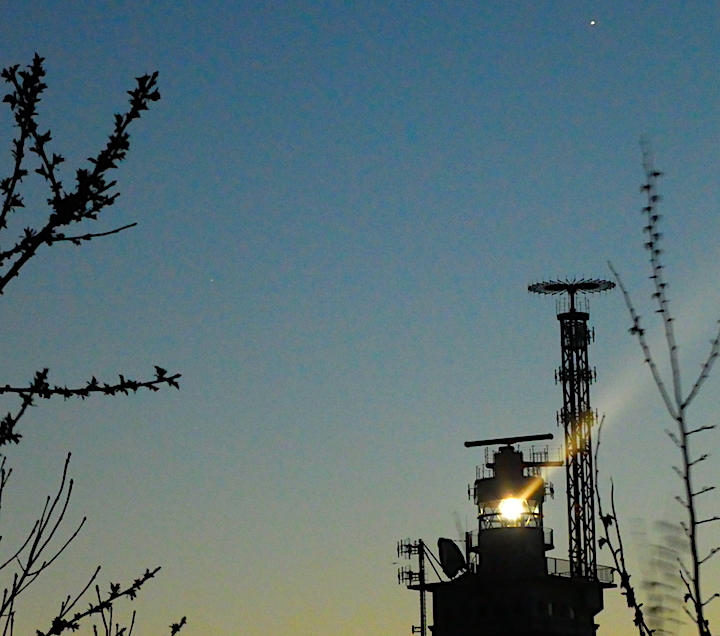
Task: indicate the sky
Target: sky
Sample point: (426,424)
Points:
(340,206)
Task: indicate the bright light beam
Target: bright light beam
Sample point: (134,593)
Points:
(511,508)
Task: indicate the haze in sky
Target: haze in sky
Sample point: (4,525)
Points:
(340,206)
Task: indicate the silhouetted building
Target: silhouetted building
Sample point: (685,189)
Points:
(503,584)
(507,586)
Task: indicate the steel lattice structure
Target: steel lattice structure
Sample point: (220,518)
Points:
(577,418)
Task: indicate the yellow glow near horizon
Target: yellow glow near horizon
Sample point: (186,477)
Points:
(511,508)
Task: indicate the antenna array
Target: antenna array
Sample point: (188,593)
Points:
(577,419)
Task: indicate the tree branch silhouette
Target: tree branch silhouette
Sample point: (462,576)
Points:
(675,402)
(612,539)
(91,193)
(41,388)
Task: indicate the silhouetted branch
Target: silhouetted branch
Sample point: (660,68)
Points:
(63,621)
(31,558)
(702,490)
(86,237)
(700,429)
(707,520)
(709,556)
(650,188)
(702,458)
(706,368)
(107,619)
(41,388)
(108,629)
(91,193)
(712,598)
(70,602)
(677,405)
(612,539)
(8,423)
(640,333)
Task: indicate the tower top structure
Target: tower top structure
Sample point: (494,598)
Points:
(572,287)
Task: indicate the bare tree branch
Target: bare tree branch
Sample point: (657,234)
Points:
(63,621)
(675,405)
(31,558)
(707,520)
(709,556)
(41,388)
(640,333)
(92,192)
(712,598)
(703,490)
(652,245)
(704,373)
(86,237)
(612,539)
(700,429)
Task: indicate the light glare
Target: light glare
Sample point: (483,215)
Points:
(511,508)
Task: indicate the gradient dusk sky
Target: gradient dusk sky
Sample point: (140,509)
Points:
(340,207)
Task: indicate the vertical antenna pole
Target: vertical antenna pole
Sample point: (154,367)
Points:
(407,549)
(577,420)
(423,608)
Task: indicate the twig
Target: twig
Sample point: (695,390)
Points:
(41,388)
(676,405)
(612,538)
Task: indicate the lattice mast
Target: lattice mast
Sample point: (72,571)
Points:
(415,579)
(577,418)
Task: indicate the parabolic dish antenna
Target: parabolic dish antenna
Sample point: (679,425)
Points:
(452,559)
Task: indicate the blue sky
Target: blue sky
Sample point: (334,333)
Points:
(340,206)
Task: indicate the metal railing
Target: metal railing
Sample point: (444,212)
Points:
(561,567)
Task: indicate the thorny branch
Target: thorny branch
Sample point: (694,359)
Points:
(676,404)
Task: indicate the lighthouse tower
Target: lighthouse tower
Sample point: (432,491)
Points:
(507,586)
(503,583)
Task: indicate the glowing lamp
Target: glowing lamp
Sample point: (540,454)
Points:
(511,509)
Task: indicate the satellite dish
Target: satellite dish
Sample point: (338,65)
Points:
(452,559)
